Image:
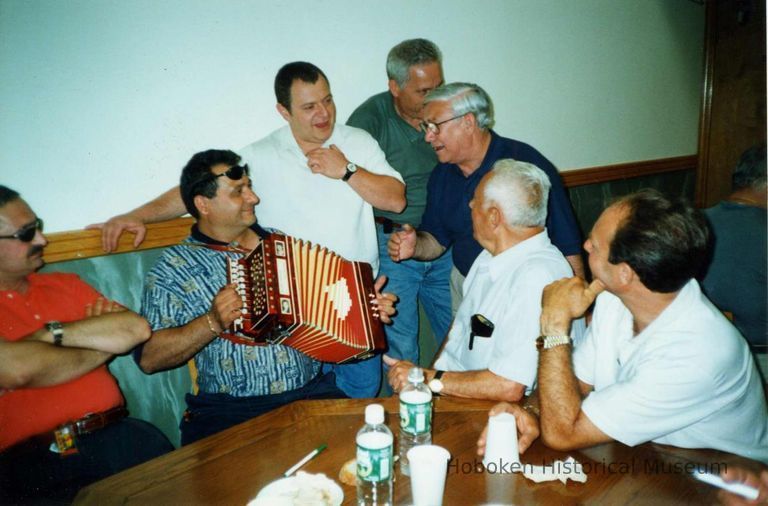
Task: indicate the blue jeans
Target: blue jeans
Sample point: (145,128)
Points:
(358,380)
(208,413)
(414,281)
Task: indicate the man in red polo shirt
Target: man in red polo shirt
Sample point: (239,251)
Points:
(63,421)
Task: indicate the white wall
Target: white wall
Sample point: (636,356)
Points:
(102,102)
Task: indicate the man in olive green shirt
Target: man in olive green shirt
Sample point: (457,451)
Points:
(414,68)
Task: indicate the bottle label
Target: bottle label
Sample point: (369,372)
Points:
(416,418)
(374,464)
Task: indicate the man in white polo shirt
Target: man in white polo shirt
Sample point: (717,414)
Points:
(659,363)
(490,352)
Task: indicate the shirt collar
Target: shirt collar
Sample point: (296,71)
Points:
(201,237)
(685,298)
(510,259)
(492,155)
(288,142)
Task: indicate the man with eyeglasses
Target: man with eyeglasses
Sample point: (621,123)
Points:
(189,304)
(317,181)
(490,352)
(63,419)
(414,68)
(457,123)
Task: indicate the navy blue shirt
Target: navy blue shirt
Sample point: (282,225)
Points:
(447,216)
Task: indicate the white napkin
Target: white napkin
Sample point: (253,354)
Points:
(570,469)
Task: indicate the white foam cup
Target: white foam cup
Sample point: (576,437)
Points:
(501,452)
(428,464)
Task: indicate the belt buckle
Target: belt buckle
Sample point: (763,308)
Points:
(65,440)
(81,425)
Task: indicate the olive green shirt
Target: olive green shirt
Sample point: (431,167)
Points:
(406,151)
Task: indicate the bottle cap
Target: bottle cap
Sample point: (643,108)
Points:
(416,375)
(374,414)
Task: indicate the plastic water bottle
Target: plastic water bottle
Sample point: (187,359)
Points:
(415,416)
(374,459)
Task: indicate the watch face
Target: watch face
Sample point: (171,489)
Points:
(539,343)
(436,386)
(351,167)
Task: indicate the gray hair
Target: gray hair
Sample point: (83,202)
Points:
(465,98)
(750,172)
(520,190)
(407,54)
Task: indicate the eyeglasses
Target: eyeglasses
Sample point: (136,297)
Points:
(480,326)
(27,232)
(431,126)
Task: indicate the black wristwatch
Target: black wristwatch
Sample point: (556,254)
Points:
(351,169)
(55,328)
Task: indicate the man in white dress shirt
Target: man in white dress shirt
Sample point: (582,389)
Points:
(490,352)
(659,362)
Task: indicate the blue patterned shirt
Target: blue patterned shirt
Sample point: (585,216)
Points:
(180,288)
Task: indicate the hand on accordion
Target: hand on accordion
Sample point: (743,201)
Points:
(384,302)
(226,306)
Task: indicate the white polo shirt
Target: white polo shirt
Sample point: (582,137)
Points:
(506,289)
(687,380)
(312,206)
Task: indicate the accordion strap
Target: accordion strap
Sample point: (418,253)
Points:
(218,247)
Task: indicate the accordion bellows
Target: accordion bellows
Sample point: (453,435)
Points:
(307,297)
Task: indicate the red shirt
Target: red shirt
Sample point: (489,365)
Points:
(29,411)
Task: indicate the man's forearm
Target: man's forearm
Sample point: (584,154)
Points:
(558,393)
(427,247)
(165,207)
(113,333)
(169,348)
(481,385)
(382,192)
(31,364)
(577,264)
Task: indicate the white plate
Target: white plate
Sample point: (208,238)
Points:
(302,489)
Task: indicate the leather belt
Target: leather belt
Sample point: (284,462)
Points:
(388,225)
(87,424)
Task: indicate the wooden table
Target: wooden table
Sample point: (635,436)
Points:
(232,466)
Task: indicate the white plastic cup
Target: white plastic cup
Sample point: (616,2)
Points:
(501,452)
(428,464)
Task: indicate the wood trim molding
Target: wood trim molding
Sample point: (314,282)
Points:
(80,244)
(629,170)
(705,118)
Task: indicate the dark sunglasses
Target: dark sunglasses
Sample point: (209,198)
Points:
(480,326)
(27,232)
(235,173)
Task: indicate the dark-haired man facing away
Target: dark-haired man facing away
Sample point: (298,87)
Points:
(660,362)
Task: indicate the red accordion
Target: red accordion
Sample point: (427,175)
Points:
(306,297)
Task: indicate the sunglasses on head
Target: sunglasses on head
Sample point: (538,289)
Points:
(235,173)
(27,232)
